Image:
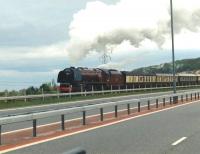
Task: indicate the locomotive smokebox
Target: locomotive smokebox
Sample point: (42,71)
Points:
(65,76)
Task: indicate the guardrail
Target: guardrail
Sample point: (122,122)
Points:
(85,93)
(173,98)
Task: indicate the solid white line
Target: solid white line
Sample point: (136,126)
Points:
(179,141)
(89,129)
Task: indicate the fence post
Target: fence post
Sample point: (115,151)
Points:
(42,94)
(25,96)
(84,117)
(34,127)
(92,90)
(6,95)
(63,122)
(156,103)
(81,89)
(0,135)
(116,113)
(58,94)
(70,92)
(182,98)
(102,89)
(138,106)
(148,104)
(85,93)
(128,109)
(101,113)
(163,101)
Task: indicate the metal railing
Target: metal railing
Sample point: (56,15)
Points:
(173,98)
(85,93)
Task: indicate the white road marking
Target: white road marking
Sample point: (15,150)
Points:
(179,141)
(89,129)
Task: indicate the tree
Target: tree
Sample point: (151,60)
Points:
(31,90)
(46,87)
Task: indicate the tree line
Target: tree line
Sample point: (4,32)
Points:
(48,87)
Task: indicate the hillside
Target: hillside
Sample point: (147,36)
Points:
(185,65)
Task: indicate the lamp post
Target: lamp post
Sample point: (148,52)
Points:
(173,56)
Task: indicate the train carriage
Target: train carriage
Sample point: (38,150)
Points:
(165,79)
(140,80)
(187,79)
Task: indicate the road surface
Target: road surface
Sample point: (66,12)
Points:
(152,134)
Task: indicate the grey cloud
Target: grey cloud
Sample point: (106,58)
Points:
(36,22)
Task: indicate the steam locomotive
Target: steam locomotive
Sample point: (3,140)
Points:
(86,79)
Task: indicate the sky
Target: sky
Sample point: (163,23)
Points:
(40,38)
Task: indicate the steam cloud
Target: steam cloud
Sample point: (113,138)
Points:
(99,26)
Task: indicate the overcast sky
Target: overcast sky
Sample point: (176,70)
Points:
(40,37)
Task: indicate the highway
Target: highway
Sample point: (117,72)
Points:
(16,126)
(158,133)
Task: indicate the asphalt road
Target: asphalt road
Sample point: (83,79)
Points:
(152,134)
(16,126)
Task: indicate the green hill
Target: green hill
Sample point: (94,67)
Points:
(185,65)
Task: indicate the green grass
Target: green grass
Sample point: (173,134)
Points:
(55,100)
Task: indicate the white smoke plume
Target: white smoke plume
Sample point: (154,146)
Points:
(99,25)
